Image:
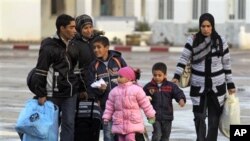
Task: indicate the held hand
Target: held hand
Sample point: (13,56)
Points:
(176,81)
(231,91)
(151,120)
(182,103)
(42,100)
(105,122)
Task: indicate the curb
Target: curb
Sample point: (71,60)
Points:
(121,48)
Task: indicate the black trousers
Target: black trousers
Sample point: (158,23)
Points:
(209,107)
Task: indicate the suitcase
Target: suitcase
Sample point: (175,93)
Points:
(87,121)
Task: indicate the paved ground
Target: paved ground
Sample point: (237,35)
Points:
(15,64)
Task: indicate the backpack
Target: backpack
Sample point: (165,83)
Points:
(29,80)
(114,58)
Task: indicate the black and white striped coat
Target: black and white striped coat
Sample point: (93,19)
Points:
(221,74)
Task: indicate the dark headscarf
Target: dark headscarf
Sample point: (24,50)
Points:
(215,37)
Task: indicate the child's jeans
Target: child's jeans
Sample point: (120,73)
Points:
(162,130)
(107,135)
(127,137)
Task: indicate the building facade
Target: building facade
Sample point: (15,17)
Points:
(170,20)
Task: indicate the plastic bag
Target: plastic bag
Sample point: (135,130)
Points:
(38,123)
(230,114)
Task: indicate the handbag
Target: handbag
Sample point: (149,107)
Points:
(185,76)
(230,114)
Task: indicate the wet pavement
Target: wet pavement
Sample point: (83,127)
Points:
(15,64)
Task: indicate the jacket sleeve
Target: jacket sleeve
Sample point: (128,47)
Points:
(184,58)
(73,52)
(42,67)
(109,109)
(178,94)
(145,104)
(94,92)
(226,62)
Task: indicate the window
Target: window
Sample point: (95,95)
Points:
(237,9)
(57,7)
(106,7)
(199,7)
(166,9)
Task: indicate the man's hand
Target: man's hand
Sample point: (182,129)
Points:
(42,100)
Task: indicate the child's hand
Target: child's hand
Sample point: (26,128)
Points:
(150,98)
(182,103)
(151,120)
(105,121)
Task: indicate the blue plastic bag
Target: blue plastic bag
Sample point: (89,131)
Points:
(38,123)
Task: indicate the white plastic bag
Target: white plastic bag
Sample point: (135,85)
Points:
(230,114)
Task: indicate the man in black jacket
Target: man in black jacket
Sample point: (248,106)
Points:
(54,77)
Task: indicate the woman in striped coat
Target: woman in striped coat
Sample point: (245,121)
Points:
(211,76)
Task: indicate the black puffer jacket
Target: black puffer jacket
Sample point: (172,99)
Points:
(81,53)
(54,75)
(162,98)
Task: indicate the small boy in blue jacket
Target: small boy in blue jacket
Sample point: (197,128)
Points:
(161,92)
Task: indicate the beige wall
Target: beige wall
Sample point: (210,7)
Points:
(48,27)
(20,20)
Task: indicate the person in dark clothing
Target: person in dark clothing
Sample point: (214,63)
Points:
(81,51)
(211,76)
(105,66)
(161,92)
(54,78)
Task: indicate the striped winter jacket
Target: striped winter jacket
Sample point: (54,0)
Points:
(215,77)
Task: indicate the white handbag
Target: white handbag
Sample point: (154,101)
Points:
(185,77)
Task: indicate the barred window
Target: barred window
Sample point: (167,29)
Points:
(237,9)
(166,9)
(57,7)
(199,7)
(106,7)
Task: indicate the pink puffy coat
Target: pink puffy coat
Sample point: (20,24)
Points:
(124,106)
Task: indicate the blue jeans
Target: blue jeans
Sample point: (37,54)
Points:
(107,135)
(67,106)
(162,130)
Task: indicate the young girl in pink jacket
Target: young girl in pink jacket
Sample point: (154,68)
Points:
(124,106)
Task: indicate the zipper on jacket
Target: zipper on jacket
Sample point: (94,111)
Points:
(71,87)
(56,82)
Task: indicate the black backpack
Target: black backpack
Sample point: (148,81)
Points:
(29,80)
